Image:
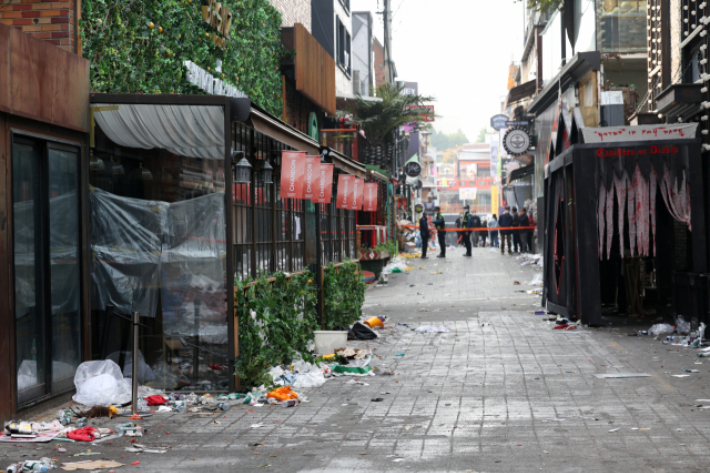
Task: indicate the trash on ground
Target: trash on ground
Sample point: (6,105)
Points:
(621,375)
(432,329)
(377,399)
(615,430)
(680,375)
(690,371)
(101,383)
(373,322)
(138,448)
(91,465)
(659,330)
(282,394)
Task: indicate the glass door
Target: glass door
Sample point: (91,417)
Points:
(45,191)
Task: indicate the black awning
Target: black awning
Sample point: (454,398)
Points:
(520,92)
(576,68)
(521,172)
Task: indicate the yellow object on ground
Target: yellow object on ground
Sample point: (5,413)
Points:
(282,394)
(374,322)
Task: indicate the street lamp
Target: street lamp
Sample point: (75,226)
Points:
(241,170)
(263,176)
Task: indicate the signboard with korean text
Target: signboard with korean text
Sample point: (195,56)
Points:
(467,193)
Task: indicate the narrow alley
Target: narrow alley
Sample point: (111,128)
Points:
(502,391)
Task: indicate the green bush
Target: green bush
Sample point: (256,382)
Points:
(128,56)
(282,327)
(344,294)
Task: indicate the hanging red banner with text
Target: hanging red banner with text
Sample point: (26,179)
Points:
(370,197)
(358,194)
(345,191)
(311,177)
(324,184)
(293,164)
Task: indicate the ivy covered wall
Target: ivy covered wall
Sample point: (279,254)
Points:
(138,46)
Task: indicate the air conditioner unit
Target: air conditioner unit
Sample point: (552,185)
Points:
(356,82)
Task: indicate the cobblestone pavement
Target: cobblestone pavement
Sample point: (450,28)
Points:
(502,392)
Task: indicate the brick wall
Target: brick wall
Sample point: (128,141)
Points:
(49,20)
(379,64)
(294,11)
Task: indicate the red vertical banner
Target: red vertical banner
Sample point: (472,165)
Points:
(293,164)
(345,191)
(324,184)
(358,194)
(312,168)
(370,197)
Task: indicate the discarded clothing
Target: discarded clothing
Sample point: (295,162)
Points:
(156,400)
(85,434)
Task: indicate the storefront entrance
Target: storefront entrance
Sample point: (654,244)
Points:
(46,256)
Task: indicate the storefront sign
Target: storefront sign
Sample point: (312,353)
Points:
(621,152)
(613,134)
(293,164)
(467,193)
(517,123)
(498,122)
(358,195)
(412,169)
(516,141)
(311,176)
(324,184)
(219,17)
(371,197)
(345,191)
(419,208)
(207,82)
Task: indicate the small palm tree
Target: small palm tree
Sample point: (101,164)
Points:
(377,119)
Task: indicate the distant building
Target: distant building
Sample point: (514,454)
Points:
(363,54)
(294,11)
(332,27)
(380,77)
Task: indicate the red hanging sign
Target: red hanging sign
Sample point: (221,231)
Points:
(345,191)
(324,184)
(293,166)
(311,177)
(370,197)
(358,194)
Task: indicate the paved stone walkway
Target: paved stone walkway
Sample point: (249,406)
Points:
(502,392)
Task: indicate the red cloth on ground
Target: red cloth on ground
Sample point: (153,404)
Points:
(85,434)
(156,400)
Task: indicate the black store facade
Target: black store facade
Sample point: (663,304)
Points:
(625,221)
(184,199)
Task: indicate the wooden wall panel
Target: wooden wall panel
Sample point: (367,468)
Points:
(46,83)
(5,101)
(315,70)
(7,358)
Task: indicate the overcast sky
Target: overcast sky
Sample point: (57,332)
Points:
(457,50)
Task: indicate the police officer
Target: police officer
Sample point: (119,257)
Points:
(424,233)
(467,223)
(440,224)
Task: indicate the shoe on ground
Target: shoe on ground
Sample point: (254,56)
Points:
(441,256)
(423,257)
(468,255)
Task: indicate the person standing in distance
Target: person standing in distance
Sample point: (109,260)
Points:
(475,223)
(505,220)
(516,233)
(467,223)
(493,234)
(524,234)
(440,224)
(424,233)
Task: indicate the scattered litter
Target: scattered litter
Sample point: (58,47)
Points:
(90,465)
(622,375)
(615,430)
(680,375)
(255,426)
(377,399)
(432,329)
(138,448)
(399,354)
(690,371)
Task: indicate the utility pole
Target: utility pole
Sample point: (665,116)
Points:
(389,72)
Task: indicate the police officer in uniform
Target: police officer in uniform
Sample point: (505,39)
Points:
(467,223)
(440,224)
(424,232)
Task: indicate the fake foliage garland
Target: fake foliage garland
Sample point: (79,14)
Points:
(138,46)
(276,324)
(344,294)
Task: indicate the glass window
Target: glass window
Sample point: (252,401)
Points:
(45,183)
(621,25)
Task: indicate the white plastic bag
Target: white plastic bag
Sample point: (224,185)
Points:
(313,378)
(536,280)
(681,325)
(659,330)
(100,383)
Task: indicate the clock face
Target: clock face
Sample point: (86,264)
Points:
(516,141)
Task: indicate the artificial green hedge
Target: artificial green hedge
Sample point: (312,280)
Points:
(276,324)
(138,46)
(343,294)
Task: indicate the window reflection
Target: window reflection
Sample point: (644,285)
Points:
(622,25)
